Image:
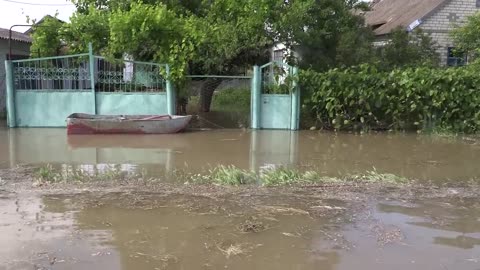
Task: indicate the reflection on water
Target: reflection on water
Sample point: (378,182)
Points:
(146,231)
(409,155)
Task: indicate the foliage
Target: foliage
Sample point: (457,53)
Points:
(317,29)
(279,81)
(149,32)
(408,49)
(233,99)
(409,98)
(46,38)
(83,29)
(467,37)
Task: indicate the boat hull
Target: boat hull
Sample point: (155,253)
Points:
(119,124)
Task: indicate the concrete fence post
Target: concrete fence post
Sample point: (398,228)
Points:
(10,94)
(295,120)
(256,96)
(91,60)
(171,102)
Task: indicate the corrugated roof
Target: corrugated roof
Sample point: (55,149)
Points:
(386,15)
(17,36)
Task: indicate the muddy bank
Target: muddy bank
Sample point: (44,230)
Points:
(25,180)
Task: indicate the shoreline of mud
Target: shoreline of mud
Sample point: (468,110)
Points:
(21,180)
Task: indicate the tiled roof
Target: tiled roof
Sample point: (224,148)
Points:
(386,15)
(17,36)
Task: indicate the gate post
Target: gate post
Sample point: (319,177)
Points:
(256,95)
(295,120)
(10,94)
(91,60)
(170,93)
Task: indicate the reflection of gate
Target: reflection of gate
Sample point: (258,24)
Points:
(275,97)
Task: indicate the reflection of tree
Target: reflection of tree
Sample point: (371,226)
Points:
(464,242)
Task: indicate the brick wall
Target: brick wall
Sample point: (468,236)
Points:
(442,21)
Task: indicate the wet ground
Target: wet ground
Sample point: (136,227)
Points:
(211,227)
(424,157)
(151,231)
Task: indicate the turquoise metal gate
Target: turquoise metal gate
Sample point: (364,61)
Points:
(275,97)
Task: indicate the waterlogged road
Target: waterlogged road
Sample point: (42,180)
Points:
(172,232)
(248,228)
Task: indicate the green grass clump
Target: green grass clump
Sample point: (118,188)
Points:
(284,176)
(376,177)
(47,174)
(231,175)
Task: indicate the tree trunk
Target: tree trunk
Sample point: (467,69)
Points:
(206,93)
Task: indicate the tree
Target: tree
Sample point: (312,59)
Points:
(46,37)
(467,37)
(408,49)
(87,27)
(324,32)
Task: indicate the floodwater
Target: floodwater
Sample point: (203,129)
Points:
(252,231)
(155,232)
(415,156)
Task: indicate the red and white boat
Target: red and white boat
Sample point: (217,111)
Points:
(80,123)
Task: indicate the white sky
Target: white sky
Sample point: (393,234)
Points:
(16,13)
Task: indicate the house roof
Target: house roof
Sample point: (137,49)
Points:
(31,29)
(386,15)
(17,36)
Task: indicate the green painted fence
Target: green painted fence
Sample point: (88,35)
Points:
(42,92)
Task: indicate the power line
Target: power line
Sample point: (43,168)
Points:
(36,4)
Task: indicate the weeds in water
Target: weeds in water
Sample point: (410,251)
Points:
(48,174)
(376,177)
(283,176)
(231,175)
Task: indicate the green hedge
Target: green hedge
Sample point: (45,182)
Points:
(414,98)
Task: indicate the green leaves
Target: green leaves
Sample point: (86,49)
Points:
(413,98)
(467,37)
(46,38)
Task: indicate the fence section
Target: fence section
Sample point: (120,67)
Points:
(42,92)
(130,87)
(219,101)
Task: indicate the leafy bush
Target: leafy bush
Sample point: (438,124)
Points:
(412,98)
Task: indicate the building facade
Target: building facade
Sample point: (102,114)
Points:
(20,45)
(435,17)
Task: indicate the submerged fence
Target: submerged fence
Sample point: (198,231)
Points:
(42,92)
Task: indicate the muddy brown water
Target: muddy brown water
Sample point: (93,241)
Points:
(155,232)
(410,155)
(135,230)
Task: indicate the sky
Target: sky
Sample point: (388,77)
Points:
(16,11)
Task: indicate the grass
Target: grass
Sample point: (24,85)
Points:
(220,175)
(48,174)
(283,176)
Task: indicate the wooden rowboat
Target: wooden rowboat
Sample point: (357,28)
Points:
(80,123)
